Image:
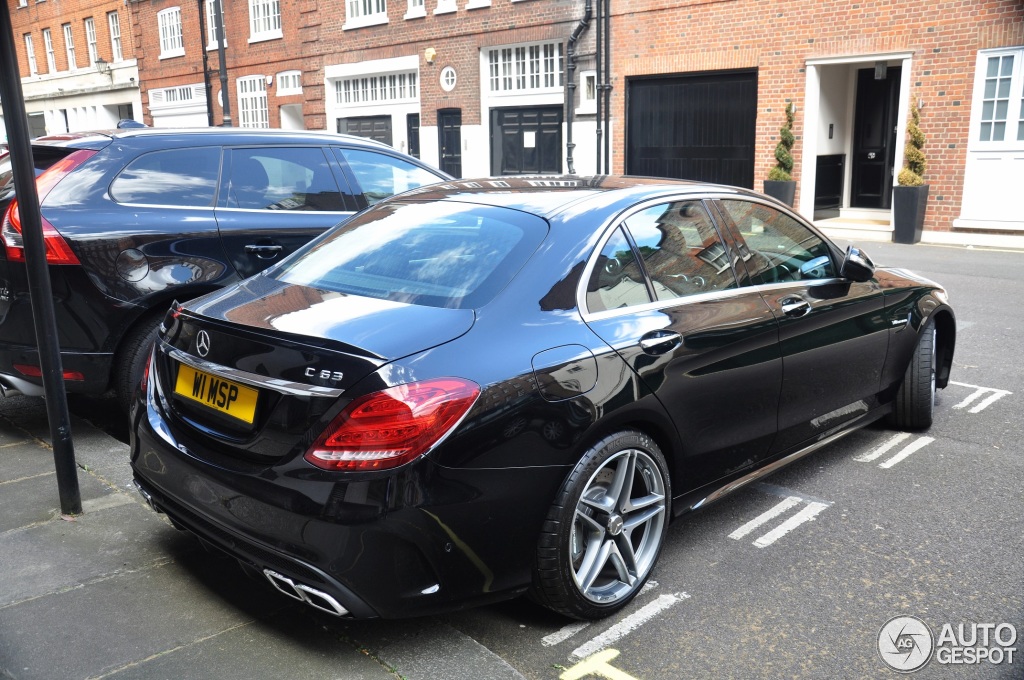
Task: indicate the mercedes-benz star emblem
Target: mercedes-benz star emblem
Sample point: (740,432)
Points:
(203,343)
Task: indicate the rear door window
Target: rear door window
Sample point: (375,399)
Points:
(284,178)
(184,178)
(380,175)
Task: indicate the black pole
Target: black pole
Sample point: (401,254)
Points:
(206,63)
(606,90)
(39,288)
(570,84)
(218,11)
(597,84)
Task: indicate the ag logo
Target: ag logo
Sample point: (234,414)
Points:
(905,644)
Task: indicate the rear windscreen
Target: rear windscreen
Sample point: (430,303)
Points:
(445,254)
(42,159)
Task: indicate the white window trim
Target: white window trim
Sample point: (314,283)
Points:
(172,51)
(269,34)
(259,97)
(51,56)
(90,40)
(22,3)
(288,91)
(1014,112)
(69,46)
(417,9)
(30,55)
(477,4)
(587,106)
(558,72)
(446,6)
(362,21)
(114,27)
(211,28)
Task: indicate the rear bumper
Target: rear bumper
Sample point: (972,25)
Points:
(414,542)
(92,371)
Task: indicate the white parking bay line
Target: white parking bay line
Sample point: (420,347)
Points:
(564,634)
(805,515)
(994,395)
(782,507)
(891,443)
(628,624)
(989,400)
(907,450)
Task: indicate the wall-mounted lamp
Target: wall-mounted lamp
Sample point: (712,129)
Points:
(430,54)
(103,68)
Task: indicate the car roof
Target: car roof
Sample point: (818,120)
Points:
(549,195)
(218,134)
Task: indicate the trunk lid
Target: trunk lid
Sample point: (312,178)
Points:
(256,370)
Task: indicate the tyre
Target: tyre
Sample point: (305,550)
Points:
(915,400)
(131,359)
(605,529)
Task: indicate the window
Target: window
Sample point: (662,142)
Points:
(1001,81)
(51,61)
(446,6)
(30,53)
(211,26)
(617,280)
(380,175)
(22,3)
(69,46)
(178,177)
(588,92)
(289,82)
(115,36)
(171,44)
(359,13)
(283,179)
(526,68)
(252,102)
(416,9)
(264,20)
(436,254)
(475,4)
(90,40)
(777,248)
(388,88)
(681,250)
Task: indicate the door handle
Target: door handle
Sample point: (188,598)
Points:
(264,252)
(660,342)
(794,306)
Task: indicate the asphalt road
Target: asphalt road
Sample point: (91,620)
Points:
(796,576)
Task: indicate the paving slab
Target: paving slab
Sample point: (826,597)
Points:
(41,488)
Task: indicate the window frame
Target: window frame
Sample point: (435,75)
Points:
(264,20)
(51,56)
(1013,137)
(210,7)
(416,9)
(282,82)
(114,27)
(69,46)
(169,29)
(360,17)
(525,69)
(30,55)
(253,107)
(90,40)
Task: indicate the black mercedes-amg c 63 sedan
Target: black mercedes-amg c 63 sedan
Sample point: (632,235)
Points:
(485,388)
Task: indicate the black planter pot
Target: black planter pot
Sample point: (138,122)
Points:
(908,207)
(783,191)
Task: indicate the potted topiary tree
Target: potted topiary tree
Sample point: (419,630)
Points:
(780,182)
(910,196)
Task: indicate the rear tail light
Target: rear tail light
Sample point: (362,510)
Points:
(389,428)
(57,249)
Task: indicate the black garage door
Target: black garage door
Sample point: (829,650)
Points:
(526,140)
(374,127)
(693,127)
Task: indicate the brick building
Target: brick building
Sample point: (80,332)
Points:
(695,89)
(77,64)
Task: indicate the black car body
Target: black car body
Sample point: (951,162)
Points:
(136,218)
(585,357)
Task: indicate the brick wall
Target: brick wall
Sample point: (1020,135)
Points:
(777,37)
(36,16)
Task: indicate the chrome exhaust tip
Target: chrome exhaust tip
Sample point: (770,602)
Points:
(300,591)
(146,496)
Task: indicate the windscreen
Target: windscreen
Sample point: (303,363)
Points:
(444,254)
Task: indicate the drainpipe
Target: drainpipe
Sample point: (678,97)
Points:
(208,88)
(597,83)
(218,11)
(570,84)
(606,86)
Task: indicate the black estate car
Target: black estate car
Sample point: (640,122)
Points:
(136,218)
(485,388)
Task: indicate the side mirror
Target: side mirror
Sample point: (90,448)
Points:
(857,266)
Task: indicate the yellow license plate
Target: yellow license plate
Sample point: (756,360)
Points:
(226,396)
